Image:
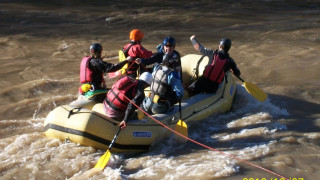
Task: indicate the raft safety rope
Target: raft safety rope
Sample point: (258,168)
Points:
(208,147)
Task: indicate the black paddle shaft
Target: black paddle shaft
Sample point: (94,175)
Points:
(114,139)
(240,78)
(180,109)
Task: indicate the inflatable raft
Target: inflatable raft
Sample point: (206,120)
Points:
(92,128)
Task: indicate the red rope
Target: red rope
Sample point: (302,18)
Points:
(203,145)
(126,70)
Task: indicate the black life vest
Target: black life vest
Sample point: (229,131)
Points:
(160,86)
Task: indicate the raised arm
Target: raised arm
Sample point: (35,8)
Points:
(197,46)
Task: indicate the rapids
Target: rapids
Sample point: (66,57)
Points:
(275,44)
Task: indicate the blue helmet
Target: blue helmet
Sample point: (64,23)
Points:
(169,41)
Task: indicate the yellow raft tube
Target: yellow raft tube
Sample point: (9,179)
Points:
(93,128)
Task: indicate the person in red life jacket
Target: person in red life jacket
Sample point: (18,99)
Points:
(135,50)
(219,63)
(116,104)
(92,69)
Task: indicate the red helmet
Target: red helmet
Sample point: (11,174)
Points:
(136,35)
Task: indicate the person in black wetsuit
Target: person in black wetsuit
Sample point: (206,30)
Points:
(219,63)
(92,69)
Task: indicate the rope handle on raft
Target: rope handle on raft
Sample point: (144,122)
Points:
(71,112)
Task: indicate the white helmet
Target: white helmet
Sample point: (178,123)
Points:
(146,77)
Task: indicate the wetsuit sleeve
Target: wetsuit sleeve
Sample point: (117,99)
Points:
(142,52)
(138,51)
(203,50)
(107,67)
(138,99)
(116,67)
(156,58)
(179,65)
(234,67)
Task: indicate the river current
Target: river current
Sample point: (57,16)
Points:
(275,44)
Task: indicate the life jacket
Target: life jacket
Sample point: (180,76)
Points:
(86,74)
(215,71)
(159,86)
(85,71)
(125,51)
(116,95)
(132,67)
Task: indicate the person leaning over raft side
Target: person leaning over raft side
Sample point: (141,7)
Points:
(219,63)
(166,89)
(135,50)
(166,52)
(92,69)
(116,105)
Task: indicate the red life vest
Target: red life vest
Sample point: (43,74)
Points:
(116,95)
(132,67)
(215,71)
(138,51)
(127,47)
(85,71)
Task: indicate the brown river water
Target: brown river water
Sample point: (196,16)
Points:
(276,44)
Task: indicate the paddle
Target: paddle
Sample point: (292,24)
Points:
(181,126)
(103,161)
(254,90)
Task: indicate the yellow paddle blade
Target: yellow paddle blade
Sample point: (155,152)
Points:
(103,161)
(182,128)
(255,91)
(122,57)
